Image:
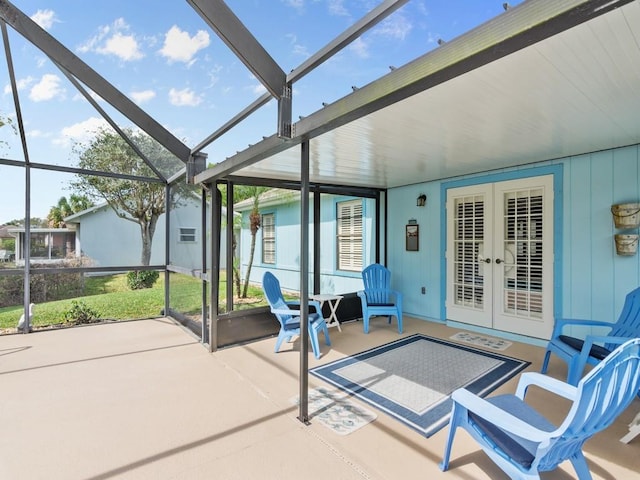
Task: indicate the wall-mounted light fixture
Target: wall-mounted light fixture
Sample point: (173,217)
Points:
(422,200)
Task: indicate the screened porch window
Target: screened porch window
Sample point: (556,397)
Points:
(268,238)
(49,245)
(349,228)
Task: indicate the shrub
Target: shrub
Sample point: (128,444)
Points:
(44,287)
(142,279)
(80,313)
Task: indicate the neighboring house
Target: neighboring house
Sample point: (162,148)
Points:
(47,244)
(109,240)
(345,240)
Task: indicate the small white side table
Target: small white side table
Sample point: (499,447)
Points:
(333,301)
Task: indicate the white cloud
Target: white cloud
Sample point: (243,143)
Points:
(45,18)
(360,48)
(298,49)
(47,88)
(122,46)
(301,50)
(397,26)
(259,89)
(80,97)
(179,46)
(337,8)
(114,40)
(22,84)
(297,4)
(36,134)
(184,98)
(142,96)
(81,132)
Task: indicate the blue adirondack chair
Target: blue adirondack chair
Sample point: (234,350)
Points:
(378,298)
(577,353)
(289,317)
(522,442)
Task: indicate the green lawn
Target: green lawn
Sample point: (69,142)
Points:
(110,297)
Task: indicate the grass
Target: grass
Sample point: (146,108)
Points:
(111,298)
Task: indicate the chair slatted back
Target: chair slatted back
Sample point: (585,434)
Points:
(628,324)
(603,394)
(377,282)
(272,291)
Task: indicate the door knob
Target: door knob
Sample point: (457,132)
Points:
(486,260)
(499,261)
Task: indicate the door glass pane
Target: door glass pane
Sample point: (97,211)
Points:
(468,239)
(523,252)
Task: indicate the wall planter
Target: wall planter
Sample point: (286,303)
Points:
(626,244)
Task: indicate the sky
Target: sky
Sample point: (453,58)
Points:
(165,58)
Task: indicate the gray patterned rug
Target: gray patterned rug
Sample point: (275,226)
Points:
(412,378)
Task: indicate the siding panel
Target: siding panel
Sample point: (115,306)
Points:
(594,279)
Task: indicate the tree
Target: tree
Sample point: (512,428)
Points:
(254,226)
(35,222)
(243,192)
(137,201)
(65,208)
(6,121)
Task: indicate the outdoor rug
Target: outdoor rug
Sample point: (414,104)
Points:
(412,379)
(481,340)
(333,409)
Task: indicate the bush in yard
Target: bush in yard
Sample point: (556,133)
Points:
(80,313)
(45,287)
(142,279)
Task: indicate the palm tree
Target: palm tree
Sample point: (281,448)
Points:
(254,226)
(58,213)
(65,208)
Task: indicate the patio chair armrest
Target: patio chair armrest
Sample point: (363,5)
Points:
(285,311)
(498,417)
(545,382)
(312,303)
(397,294)
(560,323)
(589,341)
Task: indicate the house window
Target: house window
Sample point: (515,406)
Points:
(349,228)
(188,235)
(268,238)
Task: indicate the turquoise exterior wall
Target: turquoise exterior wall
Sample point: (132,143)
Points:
(591,280)
(287,266)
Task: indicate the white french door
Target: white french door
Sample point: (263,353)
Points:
(500,255)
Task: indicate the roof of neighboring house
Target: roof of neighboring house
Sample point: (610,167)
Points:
(4,231)
(274,196)
(76,217)
(40,230)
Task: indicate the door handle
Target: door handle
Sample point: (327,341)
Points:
(499,261)
(486,260)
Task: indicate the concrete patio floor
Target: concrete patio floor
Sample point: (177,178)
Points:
(145,400)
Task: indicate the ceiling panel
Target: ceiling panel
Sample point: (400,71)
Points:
(576,92)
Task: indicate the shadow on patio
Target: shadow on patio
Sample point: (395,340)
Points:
(143,399)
